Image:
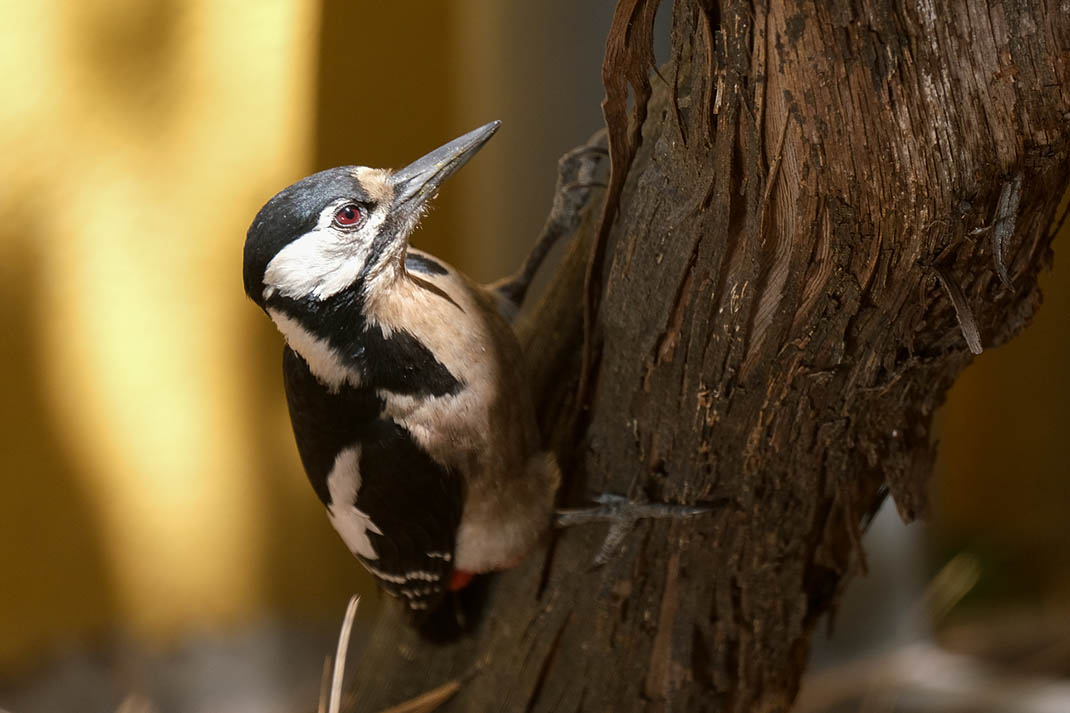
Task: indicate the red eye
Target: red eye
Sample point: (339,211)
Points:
(347,215)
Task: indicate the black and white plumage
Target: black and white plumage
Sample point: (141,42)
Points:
(404,380)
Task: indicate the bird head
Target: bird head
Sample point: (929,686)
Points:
(345,225)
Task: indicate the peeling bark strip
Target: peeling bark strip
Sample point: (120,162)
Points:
(629,60)
(772,336)
(963,313)
(1002,226)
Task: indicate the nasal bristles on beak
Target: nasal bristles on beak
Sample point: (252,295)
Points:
(417,182)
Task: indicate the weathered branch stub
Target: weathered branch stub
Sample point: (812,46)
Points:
(769,327)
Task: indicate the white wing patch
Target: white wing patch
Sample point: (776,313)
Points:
(349,521)
(324,362)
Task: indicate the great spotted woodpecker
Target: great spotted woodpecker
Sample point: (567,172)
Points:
(405,382)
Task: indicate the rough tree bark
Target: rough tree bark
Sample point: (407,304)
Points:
(813,216)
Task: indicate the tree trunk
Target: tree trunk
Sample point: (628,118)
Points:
(814,216)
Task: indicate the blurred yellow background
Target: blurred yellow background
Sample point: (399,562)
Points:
(136,496)
(150,486)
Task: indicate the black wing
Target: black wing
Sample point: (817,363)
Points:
(324,422)
(415,503)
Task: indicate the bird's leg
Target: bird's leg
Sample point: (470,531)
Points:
(576,175)
(621,514)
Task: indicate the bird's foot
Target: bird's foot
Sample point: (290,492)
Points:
(621,514)
(577,176)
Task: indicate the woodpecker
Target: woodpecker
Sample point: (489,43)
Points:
(405,382)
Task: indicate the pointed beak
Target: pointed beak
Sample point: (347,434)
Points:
(415,184)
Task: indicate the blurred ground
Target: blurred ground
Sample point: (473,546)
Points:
(259,669)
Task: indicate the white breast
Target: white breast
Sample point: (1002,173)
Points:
(451,427)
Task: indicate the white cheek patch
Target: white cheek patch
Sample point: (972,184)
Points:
(350,522)
(323,361)
(323,261)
